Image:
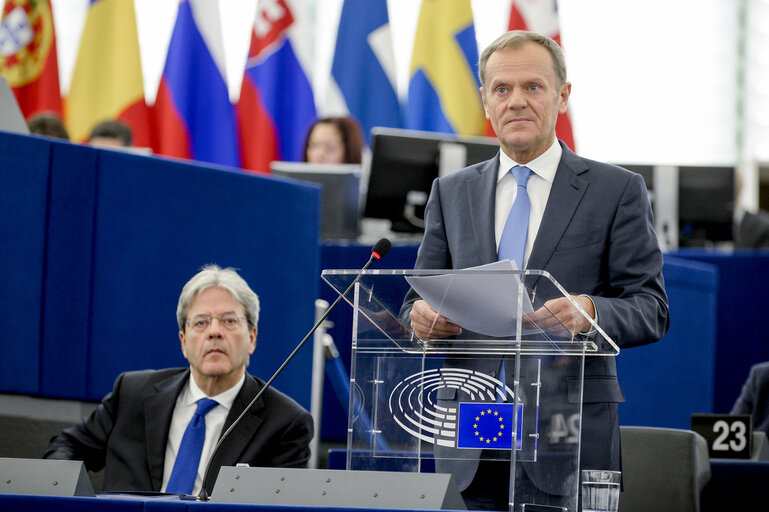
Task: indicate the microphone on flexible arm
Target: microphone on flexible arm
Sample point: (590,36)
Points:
(380,249)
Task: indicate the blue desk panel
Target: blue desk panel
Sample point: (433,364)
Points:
(736,485)
(24,201)
(98,244)
(742,333)
(68,266)
(667,381)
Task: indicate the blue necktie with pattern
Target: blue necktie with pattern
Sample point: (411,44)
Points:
(512,244)
(188,459)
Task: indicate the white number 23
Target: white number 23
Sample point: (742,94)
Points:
(739,441)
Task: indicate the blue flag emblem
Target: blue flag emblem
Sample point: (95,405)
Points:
(488,425)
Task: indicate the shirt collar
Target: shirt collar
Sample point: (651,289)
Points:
(225,398)
(543,166)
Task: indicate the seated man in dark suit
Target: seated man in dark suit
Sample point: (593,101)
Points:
(153,419)
(754,398)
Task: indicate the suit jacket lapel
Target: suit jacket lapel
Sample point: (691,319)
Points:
(565,195)
(158,409)
(241,436)
(481,191)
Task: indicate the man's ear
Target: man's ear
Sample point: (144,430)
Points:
(252,335)
(564,102)
(183,343)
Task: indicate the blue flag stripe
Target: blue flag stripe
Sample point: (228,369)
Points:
(200,93)
(367,91)
(287,96)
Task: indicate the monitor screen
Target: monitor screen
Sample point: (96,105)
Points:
(404,164)
(340,213)
(705,205)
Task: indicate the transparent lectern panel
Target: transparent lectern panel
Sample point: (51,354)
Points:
(506,392)
(493,308)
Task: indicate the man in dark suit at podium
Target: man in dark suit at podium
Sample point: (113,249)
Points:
(157,429)
(589,225)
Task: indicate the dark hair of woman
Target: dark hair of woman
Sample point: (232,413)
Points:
(350,131)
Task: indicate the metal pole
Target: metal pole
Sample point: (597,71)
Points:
(318,374)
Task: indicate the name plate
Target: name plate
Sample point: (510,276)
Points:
(728,436)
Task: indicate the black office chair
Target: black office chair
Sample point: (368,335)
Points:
(663,469)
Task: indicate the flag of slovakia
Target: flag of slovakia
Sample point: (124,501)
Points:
(276,104)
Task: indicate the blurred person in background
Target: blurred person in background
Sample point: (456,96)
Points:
(111,134)
(334,140)
(47,124)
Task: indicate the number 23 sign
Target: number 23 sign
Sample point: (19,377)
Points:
(728,436)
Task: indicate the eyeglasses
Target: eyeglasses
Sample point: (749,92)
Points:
(229,321)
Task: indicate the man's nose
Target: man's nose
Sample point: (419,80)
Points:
(517,99)
(215,328)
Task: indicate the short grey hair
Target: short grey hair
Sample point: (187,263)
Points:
(213,276)
(516,39)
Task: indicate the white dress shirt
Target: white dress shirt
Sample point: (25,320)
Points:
(541,181)
(186,405)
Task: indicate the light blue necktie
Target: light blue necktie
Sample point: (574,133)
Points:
(512,244)
(188,459)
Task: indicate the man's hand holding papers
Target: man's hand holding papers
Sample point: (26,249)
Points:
(481,299)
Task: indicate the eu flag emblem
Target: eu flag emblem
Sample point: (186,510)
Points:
(488,425)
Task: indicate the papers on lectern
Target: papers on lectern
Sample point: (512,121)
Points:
(482,302)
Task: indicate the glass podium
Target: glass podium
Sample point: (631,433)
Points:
(506,393)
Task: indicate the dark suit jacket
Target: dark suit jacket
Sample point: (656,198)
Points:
(127,433)
(596,238)
(754,398)
(754,231)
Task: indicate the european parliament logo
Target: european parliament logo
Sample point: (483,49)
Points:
(488,425)
(414,404)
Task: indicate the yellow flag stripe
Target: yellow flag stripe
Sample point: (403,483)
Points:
(438,54)
(107,76)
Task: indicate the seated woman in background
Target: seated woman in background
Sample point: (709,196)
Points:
(334,140)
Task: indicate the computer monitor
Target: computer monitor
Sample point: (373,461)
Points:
(404,164)
(705,205)
(340,213)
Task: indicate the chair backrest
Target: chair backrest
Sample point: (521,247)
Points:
(663,469)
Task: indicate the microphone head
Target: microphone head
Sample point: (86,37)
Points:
(381,248)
